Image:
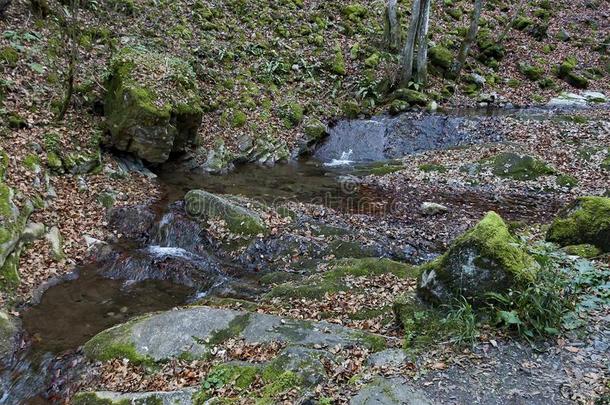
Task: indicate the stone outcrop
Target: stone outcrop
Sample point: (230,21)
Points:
(152,106)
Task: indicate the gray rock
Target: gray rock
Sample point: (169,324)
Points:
(390,391)
(196,330)
(181,397)
(387,358)
(56,242)
(8,332)
(430,208)
(239,220)
(32,232)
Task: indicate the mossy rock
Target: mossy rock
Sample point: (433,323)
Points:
(314,130)
(585,250)
(292,114)
(587,220)
(565,180)
(413,97)
(351,109)
(354,12)
(531,72)
(519,167)
(440,57)
(398,106)
(522,22)
(337,63)
(152,106)
(456,13)
(239,220)
(486,259)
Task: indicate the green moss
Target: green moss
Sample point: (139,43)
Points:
(351,109)
(455,13)
(292,113)
(565,180)
(585,250)
(423,327)
(239,220)
(4,164)
(115,343)
(373,60)
(337,64)
(6,204)
(9,56)
(31,162)
(239,119)
(90,398)
(440,57)
(314,130)
(531,72)
(521,23)
(354,12)
(412,97)
(54,162)
(586,221)
(386,169)
(519,167)
(375,343)
(236,326)
(9,273)
(332,281)
(432,167)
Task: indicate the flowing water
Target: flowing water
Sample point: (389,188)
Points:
(72,311)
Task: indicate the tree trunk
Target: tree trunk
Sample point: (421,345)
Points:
(512,20)
(421,69)
(468,40)
(406,57)
(392,26)
(73,37)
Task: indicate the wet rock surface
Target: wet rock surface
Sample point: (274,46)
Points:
(383,138)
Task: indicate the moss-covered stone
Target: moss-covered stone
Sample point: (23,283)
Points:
(314,130)
(413,97)
(522,22)
(566,72)
(351,109)
(152,105)
(115,343)
(485,259)
(519,167)
(565,180)
(531,72)
(585,250)
(354,12)
(337,63)
(292,113)
(90,398)
(440,57)
(239,220)
(587,220)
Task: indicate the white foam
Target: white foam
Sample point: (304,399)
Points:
(344,160)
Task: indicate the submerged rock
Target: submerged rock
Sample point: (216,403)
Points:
(152,105)
(587,220)
(238,219)
(485,259)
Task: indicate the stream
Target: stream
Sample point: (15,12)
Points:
(130,277)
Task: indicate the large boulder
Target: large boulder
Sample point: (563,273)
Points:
(587,220)
(485,259)
(239,220)
(152,106)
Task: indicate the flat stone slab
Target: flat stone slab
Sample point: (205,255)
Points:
(390,391)
(181,397)
(195,330)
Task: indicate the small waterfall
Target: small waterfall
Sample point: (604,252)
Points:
(344,160)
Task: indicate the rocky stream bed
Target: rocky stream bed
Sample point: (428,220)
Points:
(279,284)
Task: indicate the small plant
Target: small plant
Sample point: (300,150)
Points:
(535,310)
(462,321)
